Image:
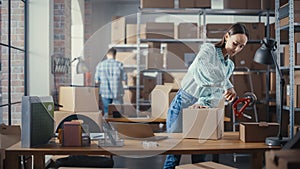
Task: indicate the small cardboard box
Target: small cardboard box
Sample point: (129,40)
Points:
(249,130)
(72,133)
(206,123)
(79,99)
(282,159)
(9,135)
(157,4)
(204,165)
(161,97)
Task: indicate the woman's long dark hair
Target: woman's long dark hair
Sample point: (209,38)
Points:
(237,28)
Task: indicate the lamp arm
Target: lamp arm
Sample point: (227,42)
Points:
(277,66)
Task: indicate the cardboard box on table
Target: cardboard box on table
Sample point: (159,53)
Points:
(79,99)
(9,135)
(93,119)
(282,159)
(161,97)
(204,165)
(205,123)
(249,131)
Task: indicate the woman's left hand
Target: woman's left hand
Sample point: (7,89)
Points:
(230,94)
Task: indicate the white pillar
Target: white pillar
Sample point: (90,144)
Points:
(39,46)
(77,38)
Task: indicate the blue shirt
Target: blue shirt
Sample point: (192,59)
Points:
(208,76)
(110,74)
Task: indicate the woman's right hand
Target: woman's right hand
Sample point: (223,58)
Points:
(197,106)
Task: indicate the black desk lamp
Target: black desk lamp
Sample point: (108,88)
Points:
(264,55)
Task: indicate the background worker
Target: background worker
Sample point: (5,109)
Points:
(206,82)
(109,75)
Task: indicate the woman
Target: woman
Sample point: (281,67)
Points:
(206,82)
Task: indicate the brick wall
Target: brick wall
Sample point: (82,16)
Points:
(17,60)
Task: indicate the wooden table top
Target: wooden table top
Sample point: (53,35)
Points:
(175,144)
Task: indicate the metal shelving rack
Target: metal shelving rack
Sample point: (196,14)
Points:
(280,13)
(192,11)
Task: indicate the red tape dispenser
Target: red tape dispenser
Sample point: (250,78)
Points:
(247,100)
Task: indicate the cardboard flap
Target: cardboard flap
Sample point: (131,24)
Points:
(9,130)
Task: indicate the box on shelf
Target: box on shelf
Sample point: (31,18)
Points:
(296,129)
(284,34)
(157,4)
(118,30)
(194,3)
(216,30)
(126,110)
(149,83)
(93,119)
(131,33)
(242,84)
(155,60)
(285,21)
(205,123)
(249,130)
(176,52)
(173,78)
(130,95)
(159,30)
(161,97)
(9,135)
(188,31)
(296,95)
(231,4)
(282,159)
(286,54)
(255,30)
(79,99)
(127,58)
(270,4)
(204,165)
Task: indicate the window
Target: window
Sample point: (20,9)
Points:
(12,60)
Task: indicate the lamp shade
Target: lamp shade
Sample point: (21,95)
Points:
(81,67)
(264,54)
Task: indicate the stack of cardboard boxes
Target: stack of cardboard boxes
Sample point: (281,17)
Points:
(79,101)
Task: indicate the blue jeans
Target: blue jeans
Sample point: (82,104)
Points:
(107,101)
(174,125)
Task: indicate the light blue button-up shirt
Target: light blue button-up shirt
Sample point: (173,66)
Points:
(110,73)
(208,76)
